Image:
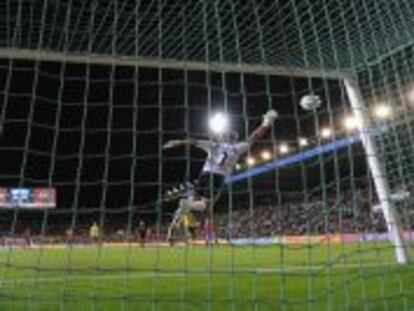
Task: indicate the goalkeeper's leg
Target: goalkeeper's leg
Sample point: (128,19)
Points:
(209,188)
(193,204)
(176,219)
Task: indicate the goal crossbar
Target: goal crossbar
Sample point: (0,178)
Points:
(166,63)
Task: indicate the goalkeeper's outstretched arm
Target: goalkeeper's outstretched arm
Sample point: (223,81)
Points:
(202,144)
(259,132)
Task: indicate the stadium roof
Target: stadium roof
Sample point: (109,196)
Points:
(274,36)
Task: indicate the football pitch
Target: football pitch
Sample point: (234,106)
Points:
(358,276)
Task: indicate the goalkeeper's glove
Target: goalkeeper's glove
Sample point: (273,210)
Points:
(269,117)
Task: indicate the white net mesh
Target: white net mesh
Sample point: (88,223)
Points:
(317,214)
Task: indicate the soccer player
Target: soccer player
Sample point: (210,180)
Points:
(223,152)
(190,226)
(69,235)
(210,233)
(142,232)
(27,236)
(94,233)
(187,222)
(185,206)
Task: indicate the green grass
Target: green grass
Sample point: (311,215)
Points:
(358,276)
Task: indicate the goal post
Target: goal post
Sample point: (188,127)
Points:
(377,171)
(350,82)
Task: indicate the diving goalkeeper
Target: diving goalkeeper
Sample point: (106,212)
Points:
(223,152)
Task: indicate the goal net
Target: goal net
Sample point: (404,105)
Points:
(317,214)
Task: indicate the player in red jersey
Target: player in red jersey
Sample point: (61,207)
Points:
(210,232)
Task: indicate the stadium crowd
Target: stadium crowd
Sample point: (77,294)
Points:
(349,215)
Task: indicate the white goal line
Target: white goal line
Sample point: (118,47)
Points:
(144,275)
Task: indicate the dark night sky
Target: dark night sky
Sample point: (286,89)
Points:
(104,149)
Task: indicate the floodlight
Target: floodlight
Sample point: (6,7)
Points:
(284,148)
(303,142)
(219,123)
(382,111)
(250,161)
(266,155)
(326,132)
(410,96)
(350,123)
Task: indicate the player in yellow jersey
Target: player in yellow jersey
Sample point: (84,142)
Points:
(190,226)
(94,233)
(187,222)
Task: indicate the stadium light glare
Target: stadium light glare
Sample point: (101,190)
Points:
(410,96)
(284,148)
(326,132)
(266,155)
(238,167)
(303,142)
(218,123)
(250,161)
(350,123)
(382,111)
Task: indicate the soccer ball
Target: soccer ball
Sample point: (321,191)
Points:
(310,102)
